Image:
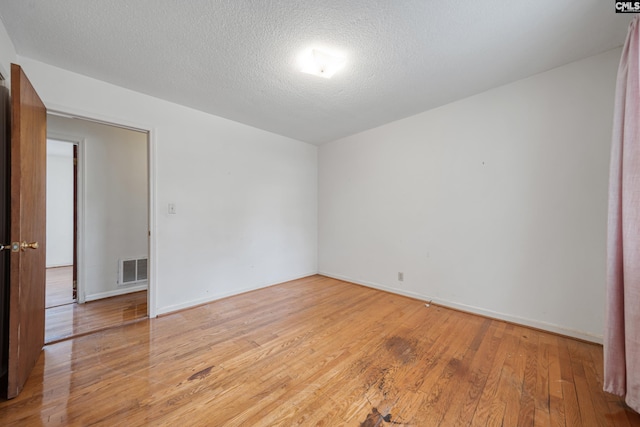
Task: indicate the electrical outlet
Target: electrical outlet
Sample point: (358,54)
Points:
(400,276)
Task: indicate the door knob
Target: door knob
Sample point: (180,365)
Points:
(25,245)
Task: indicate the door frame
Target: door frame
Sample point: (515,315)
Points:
(70,112)
(79,208)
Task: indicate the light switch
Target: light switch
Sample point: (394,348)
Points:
(172,208)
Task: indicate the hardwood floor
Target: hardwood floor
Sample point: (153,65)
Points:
(65,319)
(59,287)
(72,320)
(318,351)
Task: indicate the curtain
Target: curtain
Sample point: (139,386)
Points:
(622,329)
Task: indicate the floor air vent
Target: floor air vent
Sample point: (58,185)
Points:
(132,271)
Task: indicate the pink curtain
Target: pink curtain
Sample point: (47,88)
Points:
(622,331)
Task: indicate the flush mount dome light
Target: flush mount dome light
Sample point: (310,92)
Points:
(321,63)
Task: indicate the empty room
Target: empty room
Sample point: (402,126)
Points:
(360,213)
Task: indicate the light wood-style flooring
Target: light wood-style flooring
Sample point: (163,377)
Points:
(318,351)
(65,319)
(59,288)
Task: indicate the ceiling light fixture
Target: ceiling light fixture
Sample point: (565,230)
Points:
(321,63)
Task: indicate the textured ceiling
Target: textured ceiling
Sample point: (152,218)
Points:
(237,58)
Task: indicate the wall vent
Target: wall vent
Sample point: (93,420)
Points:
(132,271)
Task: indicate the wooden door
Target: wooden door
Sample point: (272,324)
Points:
(75,223)
(27,229)
(5,120)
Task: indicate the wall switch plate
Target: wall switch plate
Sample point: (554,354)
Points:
(172,208)
(400,276)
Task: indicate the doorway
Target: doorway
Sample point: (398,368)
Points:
(62,214)
(103,227)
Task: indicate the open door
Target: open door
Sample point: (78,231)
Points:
(75,223)
(28,159)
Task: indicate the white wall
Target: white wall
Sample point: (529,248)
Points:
(495,204)
(246,199)
(115,222)
(59,203)
(7,54)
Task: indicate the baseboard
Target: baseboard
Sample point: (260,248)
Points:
(550,327)
(193,303)
(59,265)
(115,293)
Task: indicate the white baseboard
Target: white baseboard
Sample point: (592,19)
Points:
(114,293)
(69,264)
(200,301)
(545,326)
